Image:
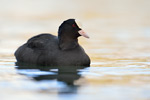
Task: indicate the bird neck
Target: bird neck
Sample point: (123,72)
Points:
(67,43)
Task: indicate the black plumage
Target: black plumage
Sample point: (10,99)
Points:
(49,50)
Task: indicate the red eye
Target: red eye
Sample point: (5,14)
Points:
(73,25)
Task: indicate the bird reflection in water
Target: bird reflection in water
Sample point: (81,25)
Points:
(65,74)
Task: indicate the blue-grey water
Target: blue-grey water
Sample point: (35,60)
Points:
(119,47)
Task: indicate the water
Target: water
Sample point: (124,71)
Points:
(118,47)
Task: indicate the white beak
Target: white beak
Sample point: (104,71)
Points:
(81,32)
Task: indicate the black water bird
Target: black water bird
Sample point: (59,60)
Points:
(49,50)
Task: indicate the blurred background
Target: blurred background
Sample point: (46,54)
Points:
(123,19)
(119,47)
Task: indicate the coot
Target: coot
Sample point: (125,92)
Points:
(49,50)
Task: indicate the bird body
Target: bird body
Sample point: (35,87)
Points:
(49,50)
